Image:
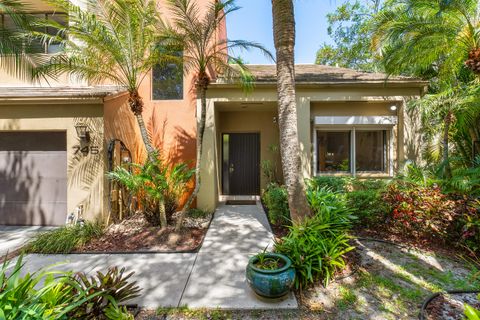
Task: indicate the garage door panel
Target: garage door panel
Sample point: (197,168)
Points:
(33,178)
(37,214)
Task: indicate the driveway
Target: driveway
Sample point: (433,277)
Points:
(14,237)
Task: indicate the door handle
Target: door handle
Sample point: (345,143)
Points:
(231,168)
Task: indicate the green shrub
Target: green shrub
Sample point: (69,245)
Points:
(64,239)
(315,250)
(159,186)
(62,295)
(197,213)
(330,208)
(368,206)
(336,184)
(275,199)
(317,245)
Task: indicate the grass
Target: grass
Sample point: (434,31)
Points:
(64,239)
(347,298)
(198,314)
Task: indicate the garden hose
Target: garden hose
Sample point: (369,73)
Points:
(422,316)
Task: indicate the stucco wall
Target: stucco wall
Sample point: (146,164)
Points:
(85,172)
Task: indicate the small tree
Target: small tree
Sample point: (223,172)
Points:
(203,54)
(110,40)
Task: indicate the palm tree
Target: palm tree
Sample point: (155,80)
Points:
(284,38)
(13,57)
(436,40)
(111,40)
(203,54)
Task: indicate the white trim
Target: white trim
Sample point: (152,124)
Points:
(356,120)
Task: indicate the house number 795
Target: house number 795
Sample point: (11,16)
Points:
(86,150)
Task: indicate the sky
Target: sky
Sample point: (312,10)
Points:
(253,22)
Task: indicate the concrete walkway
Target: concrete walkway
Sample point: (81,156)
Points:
(14,237)
(213,278)
(218,276)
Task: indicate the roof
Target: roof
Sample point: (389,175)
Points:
(322,74)
(59,92)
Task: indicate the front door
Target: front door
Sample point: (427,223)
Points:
(241,163)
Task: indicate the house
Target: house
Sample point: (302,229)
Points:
(59,139)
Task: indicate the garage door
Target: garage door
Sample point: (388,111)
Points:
(33,178)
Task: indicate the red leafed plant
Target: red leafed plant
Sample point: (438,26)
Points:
(422,211)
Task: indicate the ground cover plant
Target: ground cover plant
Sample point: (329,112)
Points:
(318,244)
(50,294)
(65,239)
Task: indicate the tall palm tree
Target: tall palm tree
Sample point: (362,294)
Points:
(284,38)
(433,39)
(205,54)
(110,40)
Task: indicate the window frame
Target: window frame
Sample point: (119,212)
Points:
(388,149)
(45,15)
(152,98)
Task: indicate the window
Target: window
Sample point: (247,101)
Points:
(36,45)
(345,150)
(370,147)
(167,81)
(333,151)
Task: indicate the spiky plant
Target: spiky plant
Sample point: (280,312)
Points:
(204,53)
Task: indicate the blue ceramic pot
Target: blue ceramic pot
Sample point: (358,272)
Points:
(271,283)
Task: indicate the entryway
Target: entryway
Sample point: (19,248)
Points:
(241,163)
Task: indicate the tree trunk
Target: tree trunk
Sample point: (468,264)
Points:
(136,105)
(445,142)
(284,37)
(202,86)
(163,215)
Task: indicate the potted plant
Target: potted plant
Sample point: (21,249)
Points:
(270,275)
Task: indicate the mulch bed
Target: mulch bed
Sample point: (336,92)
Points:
(451,307)
(136,235)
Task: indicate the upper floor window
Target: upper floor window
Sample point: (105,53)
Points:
(36,45)
(167,81)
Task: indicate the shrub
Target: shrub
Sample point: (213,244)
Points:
(317,245)
(422,211)
(315,250)
(368,206)
(336,184)
(275,199)
(330,208)
(65,239)
(62,295)
(469,228)
(158,186)
(198,213)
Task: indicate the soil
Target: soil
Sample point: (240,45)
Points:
(135,234)
(451,306)
(270,264)
(426,245)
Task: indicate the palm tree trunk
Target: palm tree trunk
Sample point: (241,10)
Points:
(163,215)
(136,105)
(284,37)
(446,142)
(202,86)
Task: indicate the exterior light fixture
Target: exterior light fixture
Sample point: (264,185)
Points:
(82,132)
(393,108)
(275,120)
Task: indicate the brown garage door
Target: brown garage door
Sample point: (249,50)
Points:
(33,178)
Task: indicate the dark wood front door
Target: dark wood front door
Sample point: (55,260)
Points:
(241,163)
